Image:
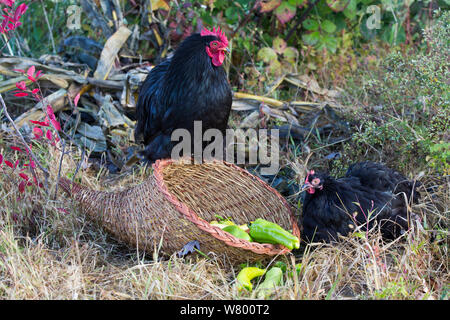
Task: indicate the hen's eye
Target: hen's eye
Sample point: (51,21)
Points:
(315,181)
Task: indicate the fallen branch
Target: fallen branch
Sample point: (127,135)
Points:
(270,101)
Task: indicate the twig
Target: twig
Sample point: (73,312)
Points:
(63,148)
(300,20)
(49,27)
(45,102)
(6,45)
(247,18)
(79,164)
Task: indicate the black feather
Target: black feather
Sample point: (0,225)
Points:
(179,91)
(369,193)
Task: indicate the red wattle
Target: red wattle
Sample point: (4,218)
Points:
(217,57)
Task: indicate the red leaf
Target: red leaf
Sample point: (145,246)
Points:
(39,74)
(21,94)
(16,148)
(30,71)
(1,158)
(24,176)
(38,133)
(56,124)
(34,91)
(20,11)
(19,70)
(9,3)
(75,101)
(32,164)
(31,79)
(15,164)
(41,123)
(49,135)
(21,85)
(50,112)
(9,164)
(22,186)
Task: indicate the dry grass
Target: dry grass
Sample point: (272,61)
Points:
(50,251)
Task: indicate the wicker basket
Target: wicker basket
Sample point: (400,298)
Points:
(175,204)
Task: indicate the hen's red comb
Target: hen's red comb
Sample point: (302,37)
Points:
(215,32)
(311,172)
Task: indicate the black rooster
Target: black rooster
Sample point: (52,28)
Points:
(190,86)
(369,192)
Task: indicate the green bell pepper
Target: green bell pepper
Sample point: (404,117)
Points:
(264,231)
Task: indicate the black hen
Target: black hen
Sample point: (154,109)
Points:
(369,192)
(190,86)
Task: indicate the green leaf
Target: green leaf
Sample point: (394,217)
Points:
(232,13)
(323,9)
(268,55)
(328,26)
(207,18)
(291,55)
(330,43)
(311,25)
(285,12)
(350,11)
(338,5)
(340,22)
(279,45)
(311,38)
(296,2)
(274,67)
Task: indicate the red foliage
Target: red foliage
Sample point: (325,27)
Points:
(21,85)
(38,133)
(11,19)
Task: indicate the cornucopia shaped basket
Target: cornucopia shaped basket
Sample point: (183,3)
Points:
(175,205)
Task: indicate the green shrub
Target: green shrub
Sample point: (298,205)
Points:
(409,97)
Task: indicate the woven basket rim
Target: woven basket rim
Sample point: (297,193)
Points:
(216,232)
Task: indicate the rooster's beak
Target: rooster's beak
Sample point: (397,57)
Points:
(306,186)
(227,50)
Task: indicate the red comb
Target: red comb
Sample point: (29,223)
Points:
(311,172)
(215,32)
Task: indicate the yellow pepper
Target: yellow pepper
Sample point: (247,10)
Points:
(246,275)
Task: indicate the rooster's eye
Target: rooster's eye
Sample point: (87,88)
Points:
(214,44)
(315,181)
